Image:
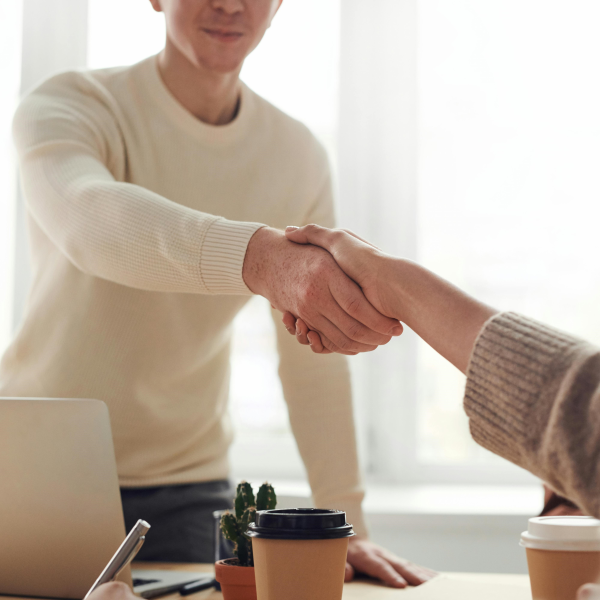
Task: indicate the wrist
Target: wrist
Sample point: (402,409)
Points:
(258,258)
(392,275)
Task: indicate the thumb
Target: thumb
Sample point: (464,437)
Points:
(310,234)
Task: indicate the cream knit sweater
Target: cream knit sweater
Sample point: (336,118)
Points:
(139,219)
(533,397)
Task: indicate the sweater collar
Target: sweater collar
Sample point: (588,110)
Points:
(218,135)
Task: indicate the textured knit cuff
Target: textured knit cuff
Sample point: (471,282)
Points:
(223,253)
(515,360)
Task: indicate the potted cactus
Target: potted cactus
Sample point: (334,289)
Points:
(236,575)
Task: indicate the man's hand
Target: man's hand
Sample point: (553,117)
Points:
(370,559)
(360,260)
(306,282)
(115,590)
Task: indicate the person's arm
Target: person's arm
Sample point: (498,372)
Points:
(73,163)
(440,313)
(533,392)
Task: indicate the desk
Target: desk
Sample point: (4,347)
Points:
(358,590)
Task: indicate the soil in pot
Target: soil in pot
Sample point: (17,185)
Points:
(237,583)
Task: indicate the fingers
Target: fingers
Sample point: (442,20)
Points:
(589,591)
(314,339)
(412,573)
(289,320)
(337,331)
(373,565)
(301,331)
(375,561)
(349,574)
(375,327)
(115,590)
(310,234)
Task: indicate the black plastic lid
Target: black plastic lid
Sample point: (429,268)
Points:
(300,524)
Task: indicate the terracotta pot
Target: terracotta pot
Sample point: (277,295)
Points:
(237,583)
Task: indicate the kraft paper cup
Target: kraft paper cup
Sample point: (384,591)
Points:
(300,554)
(563,553)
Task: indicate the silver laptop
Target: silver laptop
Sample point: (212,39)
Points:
(61,518)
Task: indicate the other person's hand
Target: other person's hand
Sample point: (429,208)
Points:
(115,590)
(369,559)
(589,591)
(306,282)
(359,259)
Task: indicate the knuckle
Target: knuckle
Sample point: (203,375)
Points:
(356,331)
(345,344)
(307,294)
(353,305)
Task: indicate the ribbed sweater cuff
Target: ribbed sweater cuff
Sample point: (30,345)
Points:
(514,361)
(222,258)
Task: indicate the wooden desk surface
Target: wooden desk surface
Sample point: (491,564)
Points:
(359,590)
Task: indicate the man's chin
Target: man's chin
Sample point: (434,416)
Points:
(222,64)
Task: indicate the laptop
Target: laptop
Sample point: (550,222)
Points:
(61,518)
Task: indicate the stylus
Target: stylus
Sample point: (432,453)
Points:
(196,586)
(124,555)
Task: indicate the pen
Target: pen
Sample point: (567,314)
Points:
(124,555)
(196,586)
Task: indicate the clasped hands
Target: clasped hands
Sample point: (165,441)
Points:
(325,280)
(360,260)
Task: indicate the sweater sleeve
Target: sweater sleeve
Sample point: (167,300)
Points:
(72,160)
(318,394)
(533,397)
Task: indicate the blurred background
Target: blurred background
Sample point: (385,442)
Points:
(463,134)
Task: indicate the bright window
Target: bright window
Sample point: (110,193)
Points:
(508,187)
(10,67)
(506,191)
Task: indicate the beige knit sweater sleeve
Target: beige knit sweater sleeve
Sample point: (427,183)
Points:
(533,397)
(73,163)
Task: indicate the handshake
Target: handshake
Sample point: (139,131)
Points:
(339,293)
(327,284)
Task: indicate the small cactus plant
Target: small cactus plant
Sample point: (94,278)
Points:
(234,525)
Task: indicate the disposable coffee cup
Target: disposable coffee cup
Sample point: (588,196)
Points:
(563,553)
(300,553)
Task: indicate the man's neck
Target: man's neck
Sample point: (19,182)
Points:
(211,97)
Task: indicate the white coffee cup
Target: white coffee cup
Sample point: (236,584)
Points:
(563,553)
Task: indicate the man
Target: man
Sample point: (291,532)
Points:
(148,190)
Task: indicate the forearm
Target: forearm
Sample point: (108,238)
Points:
(127,234)
(533,397)
(444,316)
